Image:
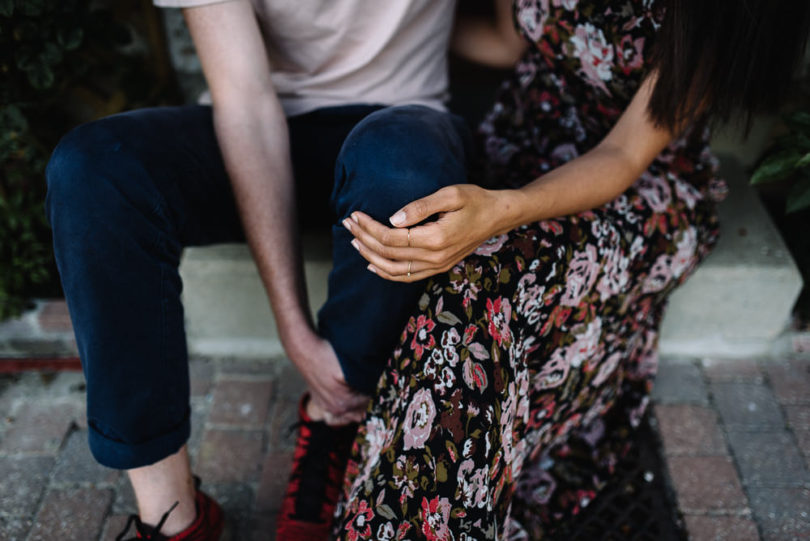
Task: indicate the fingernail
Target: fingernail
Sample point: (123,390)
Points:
(397,218)
(355,244)
(354,217)
(347,224)
(372,269)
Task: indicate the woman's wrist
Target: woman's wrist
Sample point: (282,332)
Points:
(518,207)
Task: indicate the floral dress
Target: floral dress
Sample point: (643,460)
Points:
(518,380)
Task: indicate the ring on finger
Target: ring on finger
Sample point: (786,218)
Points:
(409,237)
(409,268)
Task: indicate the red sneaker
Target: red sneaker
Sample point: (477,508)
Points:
(207,526)
(321,453)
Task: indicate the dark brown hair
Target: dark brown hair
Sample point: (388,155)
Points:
(718,57)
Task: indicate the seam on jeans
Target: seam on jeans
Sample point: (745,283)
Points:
(163,317)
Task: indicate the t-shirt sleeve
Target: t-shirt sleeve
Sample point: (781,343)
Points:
(185,3)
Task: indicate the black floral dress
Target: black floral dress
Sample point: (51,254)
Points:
(518,381)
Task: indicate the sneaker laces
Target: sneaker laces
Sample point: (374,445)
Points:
(322,446)
(150,532)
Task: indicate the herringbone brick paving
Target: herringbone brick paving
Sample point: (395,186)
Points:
(736,439)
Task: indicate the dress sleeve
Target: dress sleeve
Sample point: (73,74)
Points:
(185,3)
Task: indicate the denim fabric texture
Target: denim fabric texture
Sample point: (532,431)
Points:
(128,192)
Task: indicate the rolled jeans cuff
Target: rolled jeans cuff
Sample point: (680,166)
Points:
(125,456)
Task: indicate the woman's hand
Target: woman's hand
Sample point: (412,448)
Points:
(467,216)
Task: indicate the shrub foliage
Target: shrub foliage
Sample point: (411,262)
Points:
(61,62)
(789,159)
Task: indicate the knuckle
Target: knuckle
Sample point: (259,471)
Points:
(385,238)
(437,258)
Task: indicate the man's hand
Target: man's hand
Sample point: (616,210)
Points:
(329,393)
(468,216)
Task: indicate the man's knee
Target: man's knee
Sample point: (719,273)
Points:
(87,176)
(396,155)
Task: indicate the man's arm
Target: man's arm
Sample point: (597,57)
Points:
(252,133)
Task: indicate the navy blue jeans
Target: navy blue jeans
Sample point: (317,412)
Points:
(126,193)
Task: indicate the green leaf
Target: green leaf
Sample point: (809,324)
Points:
(799,196)
(11,118)
(32,8)
(777,166)
(6,7)
(50,54)
(385,511)
(70,39)
(799,121)
(25,60)
(40,77)
(795,140)
(804,161)
(448,318)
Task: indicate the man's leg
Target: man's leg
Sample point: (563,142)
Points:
(390,158)
(125,194)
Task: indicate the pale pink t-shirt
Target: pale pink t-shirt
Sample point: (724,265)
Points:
(335,52)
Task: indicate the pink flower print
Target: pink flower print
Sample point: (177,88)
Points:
(595,54)
(531,16)
(530,298)
(564,153)
(421,338)
(385,532)
(554,371)
(378,437)
(606,369)
(450,338)
(508,410)
(469,334)
(570,5)
(536,486)
(684,257)
(581,275)
(491,245)
(499,313)
(434,516)
(587,344)
(359,526)
(445,380)
(419,420)
(551,226)
(402,530)
(474,375)
(655,191)
(615,276)
(631,54)
(687,193)
(472,481)
(660,275)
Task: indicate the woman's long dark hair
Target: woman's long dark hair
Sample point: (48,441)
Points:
(718,57)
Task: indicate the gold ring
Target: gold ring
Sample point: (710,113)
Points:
(409,238)
(409,268)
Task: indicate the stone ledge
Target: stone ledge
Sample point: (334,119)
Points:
(739,301)
(737,304)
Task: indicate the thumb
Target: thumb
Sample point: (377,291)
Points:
(416,211)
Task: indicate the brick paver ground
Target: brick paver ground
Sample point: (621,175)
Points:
(735,434)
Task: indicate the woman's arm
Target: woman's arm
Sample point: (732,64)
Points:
(490,41)
(469,214)
(252,133)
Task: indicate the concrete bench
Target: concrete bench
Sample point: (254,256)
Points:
(737,303)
